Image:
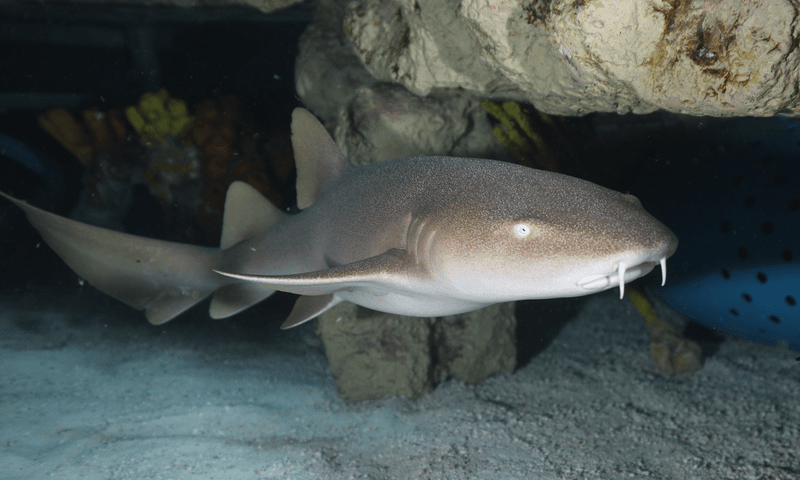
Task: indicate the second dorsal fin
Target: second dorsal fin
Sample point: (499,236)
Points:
(247,214)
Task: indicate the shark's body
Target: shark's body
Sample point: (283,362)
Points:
(423,236)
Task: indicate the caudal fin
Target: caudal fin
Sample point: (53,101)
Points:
(162,278)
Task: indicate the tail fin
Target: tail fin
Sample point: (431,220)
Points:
(162,278)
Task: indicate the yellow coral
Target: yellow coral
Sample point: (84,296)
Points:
(644,308)
(515,132)
(134,118)
(157,115)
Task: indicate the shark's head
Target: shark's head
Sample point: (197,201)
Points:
(517,232)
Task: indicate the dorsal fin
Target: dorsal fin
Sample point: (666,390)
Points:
(247,214)
(319,161)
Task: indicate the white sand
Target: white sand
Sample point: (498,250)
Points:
(89,390)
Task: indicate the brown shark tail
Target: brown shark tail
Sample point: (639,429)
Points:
(162,278)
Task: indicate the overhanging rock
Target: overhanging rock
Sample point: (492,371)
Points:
(578,56)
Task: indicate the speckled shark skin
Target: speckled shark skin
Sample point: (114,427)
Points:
(423,236)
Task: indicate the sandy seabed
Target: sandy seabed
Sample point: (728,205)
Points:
(89,390)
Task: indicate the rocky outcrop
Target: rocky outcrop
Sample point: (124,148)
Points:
(579,56)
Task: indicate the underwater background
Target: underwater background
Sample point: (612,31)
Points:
(90,390)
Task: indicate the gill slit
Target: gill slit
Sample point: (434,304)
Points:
(422,234)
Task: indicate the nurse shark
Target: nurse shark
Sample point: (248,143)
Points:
(422,236)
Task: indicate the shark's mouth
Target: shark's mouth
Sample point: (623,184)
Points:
(624,273)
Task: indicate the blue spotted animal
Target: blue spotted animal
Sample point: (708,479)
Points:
(735,205)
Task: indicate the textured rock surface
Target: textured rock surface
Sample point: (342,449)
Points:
(370,118)
(327,70)
(384,121)
(265,6)
(696,57)
(475,345)
(375,354)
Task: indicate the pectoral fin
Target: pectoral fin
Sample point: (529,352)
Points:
(389,271)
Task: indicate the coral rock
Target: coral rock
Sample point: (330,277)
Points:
(375,354)
(574,57)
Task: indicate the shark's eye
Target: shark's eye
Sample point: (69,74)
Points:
(522,230)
